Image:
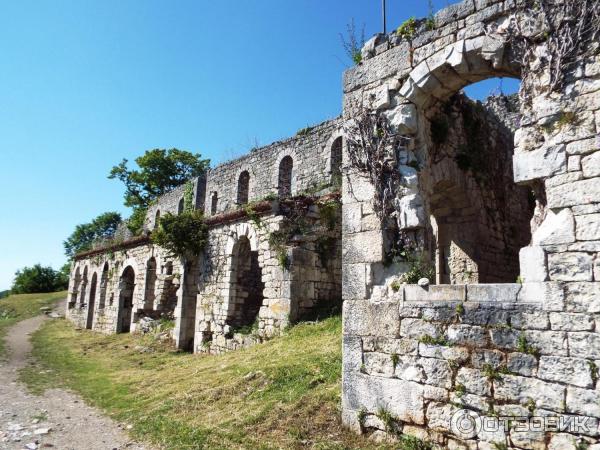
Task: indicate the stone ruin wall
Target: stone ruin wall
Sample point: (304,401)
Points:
(201,295)
(417,357)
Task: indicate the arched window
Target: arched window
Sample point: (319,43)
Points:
(126,289)
(92,302)
(336,160)
(156,219)
(243,188)
(84,283)
(213,203)
(180,206)
(286,167)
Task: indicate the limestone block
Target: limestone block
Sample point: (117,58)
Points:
(440,292)
(549,295)
(439,416)
(471,335)
(562,441)
(418,328)
(493,50)
(570,266)
(364,318)
(574,163)
(493,292)
(355,250)
(577,193)
(479,358)
(522,364)
(410,211)
(351,217)
(404,400)
(557,228)
(357,188)
(397,346)
(409,176)
(378,364)
(403,119)
(532,261)
(454,353)
(583,401)
(548,342)
(575,371)
(540,163)
(582,147)
(521,390)
(474,381)
(588,227)
(571,322)
(584,345)
(583,297)
(537,320)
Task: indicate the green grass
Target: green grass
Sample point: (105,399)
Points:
(281,394)
(15,308)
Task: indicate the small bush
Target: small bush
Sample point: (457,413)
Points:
(408,29)
(183,235)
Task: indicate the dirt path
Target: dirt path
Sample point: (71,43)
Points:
(57,419)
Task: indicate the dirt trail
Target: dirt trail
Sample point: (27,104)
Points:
(57,419)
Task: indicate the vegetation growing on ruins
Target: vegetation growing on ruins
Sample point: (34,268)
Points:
(182,235)
(159,171)
(282,394)
(407,29)
(353,43)
(23,306)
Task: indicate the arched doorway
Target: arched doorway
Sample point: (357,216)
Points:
(82,290)
(286,167)
(92,302)
(75,288)
(246,291)
(126,289)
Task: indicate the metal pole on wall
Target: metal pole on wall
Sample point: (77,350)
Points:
(384,16)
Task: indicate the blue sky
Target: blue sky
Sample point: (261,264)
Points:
(84,84)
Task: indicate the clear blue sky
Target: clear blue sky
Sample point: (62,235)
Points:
(85,83)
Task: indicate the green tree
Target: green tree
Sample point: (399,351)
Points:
(37,279)
(102,227)
(183,235)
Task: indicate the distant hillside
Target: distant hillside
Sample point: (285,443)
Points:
(4,294)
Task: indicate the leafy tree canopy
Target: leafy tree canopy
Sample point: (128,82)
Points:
(183,235)
(102,227)
(39,279)
(159,172)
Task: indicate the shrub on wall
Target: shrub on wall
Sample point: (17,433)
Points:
(183,235)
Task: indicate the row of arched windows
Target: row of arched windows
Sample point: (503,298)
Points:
(285,178)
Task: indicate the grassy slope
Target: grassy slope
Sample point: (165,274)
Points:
(180,401)
(19,307)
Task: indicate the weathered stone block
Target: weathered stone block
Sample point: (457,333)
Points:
(436,292)
(557,228)
(583,297)
(493,292)
(540,163)
(574,371)
(549,295)
(583,401)
(364,318)
(522,390)
(467,335)
(532,261)
(474,381)
(588,226)
(584,345)
(354,249)
(570,266)
(402,399)
(418,328)
(576,193)
(590,165)
(522,364)
(571,322)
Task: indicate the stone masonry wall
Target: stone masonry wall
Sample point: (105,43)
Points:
(543,355)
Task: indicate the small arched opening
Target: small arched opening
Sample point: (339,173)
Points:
(103,287)
(336,161)
(286,168)
(214,201)
(157,219)
(243,188)
(246,291)
(126,289)
(180,206)
(92,302)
